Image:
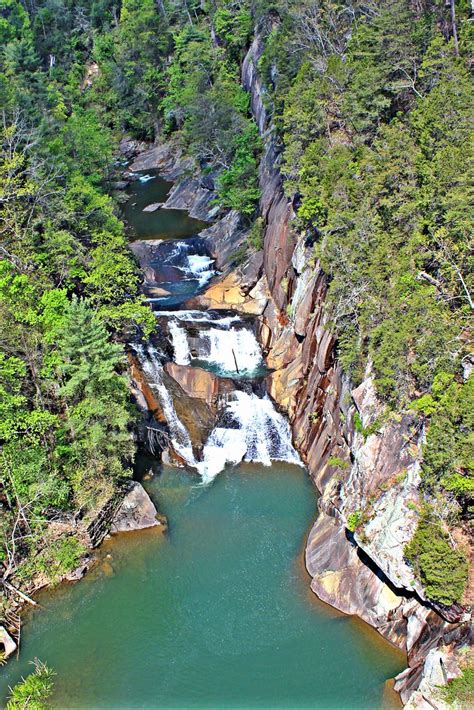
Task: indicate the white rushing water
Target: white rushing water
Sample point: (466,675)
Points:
(153,371)
(256,431)
(230,351)
(200,267)
(200,317)
(261,435)
(179,341)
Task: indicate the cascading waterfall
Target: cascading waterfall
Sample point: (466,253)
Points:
(151,366)
(179,341)
(249,427)
(229,351)
(261,435)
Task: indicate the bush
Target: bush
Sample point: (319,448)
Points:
(354,520)
(34,690)
(461,690)
(441,569)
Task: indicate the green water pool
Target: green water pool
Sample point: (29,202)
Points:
(217,613)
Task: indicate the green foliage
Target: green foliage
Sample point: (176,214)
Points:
(354,520)
(237,187)
(33,691)
(447,452)
(338,462)
(442,570)
(55,559)
(255,236)
(460,691)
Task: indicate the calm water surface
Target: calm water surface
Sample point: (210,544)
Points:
(162,224)
(216,614)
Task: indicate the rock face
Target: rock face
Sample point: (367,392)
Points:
(136,512)
(198,383)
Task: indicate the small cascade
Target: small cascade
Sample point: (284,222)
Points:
(259,433)
(228,351)
(231,351)
(179,341)
(199,266)
(150,362)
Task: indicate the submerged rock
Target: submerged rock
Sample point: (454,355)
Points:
(153,207)
(136,512)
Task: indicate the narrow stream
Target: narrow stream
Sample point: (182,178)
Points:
(218,613)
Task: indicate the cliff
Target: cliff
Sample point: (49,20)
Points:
(368,479)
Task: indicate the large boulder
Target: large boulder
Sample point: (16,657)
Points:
(136,511)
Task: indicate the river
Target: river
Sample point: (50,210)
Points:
(217,613)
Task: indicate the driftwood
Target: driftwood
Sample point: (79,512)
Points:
(22,595)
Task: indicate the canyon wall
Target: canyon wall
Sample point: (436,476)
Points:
(368,479)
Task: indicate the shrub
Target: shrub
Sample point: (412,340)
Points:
(441,569)
(32,692)
(354,520)
(461,690)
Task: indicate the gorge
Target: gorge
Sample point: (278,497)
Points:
(219,608)
(236,291)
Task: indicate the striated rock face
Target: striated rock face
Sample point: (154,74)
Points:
(367,483)
(136,512)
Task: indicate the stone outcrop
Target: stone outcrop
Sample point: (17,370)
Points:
(227,294)
(199,383)
(136,512)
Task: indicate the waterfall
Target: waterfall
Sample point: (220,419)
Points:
(262,435)
(179,340)
(200,317)
(231,351)
(200,267)
(256,431)
(152,369)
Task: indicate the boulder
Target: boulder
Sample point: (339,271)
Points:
(136,511)
(153,207)
(199,383)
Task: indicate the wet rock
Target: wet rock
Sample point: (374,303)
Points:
(187,194)
(199,383)
(136,512)
(153,207)
(166,158)
(120,185)
(143,393)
